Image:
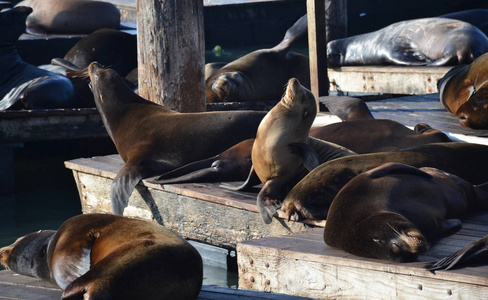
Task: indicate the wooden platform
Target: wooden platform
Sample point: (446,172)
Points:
(302,264)
(14,286)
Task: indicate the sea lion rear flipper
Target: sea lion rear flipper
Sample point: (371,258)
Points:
(66,64)
(396,168)
(347,108)
(12,98)
(473,251)
(310,158)
(185,172)
(252,180)
(122,186)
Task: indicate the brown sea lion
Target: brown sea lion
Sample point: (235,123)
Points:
(391,211)
(70,17)
(101,256)
(261,75)
(109,47)
(464,92)
(152,139)
(474,253)
(362,133)
(312,196)
(427,41)
(23,85)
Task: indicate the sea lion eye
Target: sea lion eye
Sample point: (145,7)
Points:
(305,114)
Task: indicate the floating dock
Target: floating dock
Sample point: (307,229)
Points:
(291,257)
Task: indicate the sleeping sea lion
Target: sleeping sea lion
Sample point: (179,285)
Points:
(102,256)
(152,139)
(464,92)
(427,41)
(312,196)
(261,75)
(70,17)
(391,211)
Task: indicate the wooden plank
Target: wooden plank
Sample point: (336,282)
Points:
(386,79)
(24,126)
(299,265)
(14,286)
(171,53)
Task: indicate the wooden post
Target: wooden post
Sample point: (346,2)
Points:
(317,45)
(171,59)
(336,20)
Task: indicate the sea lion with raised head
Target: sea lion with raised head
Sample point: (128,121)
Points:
(152,139)
(427,41)
(70,17)
(312,196)
(261,75)
(464,92)
(391,211)
(102,256)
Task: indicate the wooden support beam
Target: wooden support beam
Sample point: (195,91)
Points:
(171,57)
(317,45)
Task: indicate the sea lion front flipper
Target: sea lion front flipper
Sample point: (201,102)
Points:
(122,186)
(396,168)
(474,251)
(310,158)
(404,53)
(450,225)
(65,64)
(268,199)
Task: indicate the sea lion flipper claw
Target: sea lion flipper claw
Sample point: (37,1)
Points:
(310,158)
(122,186)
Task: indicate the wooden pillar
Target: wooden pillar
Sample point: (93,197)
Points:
(336,20)
(317,45)
(171,45)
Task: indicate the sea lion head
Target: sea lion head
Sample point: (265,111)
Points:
(12,23)
(474,112)
(390,236)
(28,255)
(226,86)
(301,100)
(335,53)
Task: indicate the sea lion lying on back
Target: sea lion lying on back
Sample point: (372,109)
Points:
(391,211)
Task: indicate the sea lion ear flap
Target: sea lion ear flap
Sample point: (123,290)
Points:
(396,168)
(310,158)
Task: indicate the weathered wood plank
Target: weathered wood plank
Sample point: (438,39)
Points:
(386,79)
(302,264)
(14,286)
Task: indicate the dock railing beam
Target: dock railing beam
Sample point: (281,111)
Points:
(171,49)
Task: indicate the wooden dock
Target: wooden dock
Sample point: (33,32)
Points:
(19,287)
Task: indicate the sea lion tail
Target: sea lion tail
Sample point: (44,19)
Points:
(472,251)
(122,186)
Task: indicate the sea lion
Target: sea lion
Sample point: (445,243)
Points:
(312,196)
(475,17)
(464,92)
(427,41)
(391,211)
(152,139)
(70,17)
(279,152)
(109,47)
(474,253)
(101,256)
(362,133)
(261,75)
(23,85)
